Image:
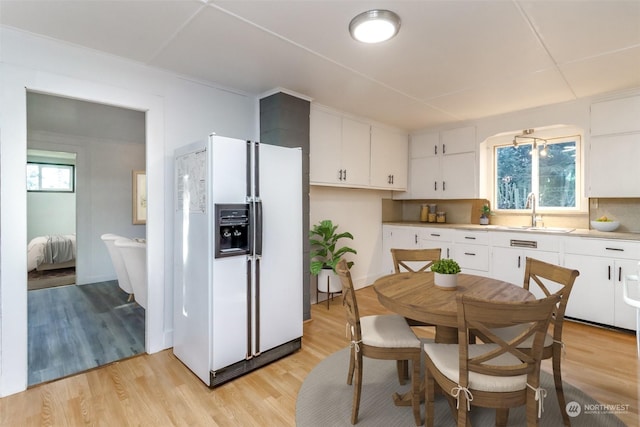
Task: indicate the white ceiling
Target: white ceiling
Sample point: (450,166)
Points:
(451,61)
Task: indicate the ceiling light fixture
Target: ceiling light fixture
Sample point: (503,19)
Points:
(536,141)
(374,26)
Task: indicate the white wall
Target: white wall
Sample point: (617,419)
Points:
(360,213)
(178,111)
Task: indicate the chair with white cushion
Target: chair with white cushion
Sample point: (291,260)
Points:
(118,263)
(134,254)
(494,374)
(386,337)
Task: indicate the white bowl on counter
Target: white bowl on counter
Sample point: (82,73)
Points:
(605,225)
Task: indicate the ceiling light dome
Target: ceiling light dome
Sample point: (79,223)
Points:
(374,26)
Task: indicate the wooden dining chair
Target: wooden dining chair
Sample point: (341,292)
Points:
(494,374)
(414,261)
(387,337)
(405,260)
(549,279)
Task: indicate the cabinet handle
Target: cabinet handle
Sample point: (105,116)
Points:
(448,253)
(340,175)
(443,186)
(609,272)
(416,238)
(444,151)
(619,274)
(434,235)
(435,185)
(392,177)
(615,249)
(469,238)
(470,253)
(518,261)
(344,175)
(435,149)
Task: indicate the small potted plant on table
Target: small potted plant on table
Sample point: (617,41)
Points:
(445,273)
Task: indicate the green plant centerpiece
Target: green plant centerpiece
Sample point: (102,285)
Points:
(323,238)
(445,273)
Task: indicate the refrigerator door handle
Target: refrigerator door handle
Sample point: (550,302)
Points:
(256,351)
(249,311)
(258,228)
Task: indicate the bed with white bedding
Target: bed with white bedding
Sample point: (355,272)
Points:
(51,252)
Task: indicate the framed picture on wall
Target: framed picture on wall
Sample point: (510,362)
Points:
(139,197)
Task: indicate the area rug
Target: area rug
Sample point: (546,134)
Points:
(325,400)
(50,278)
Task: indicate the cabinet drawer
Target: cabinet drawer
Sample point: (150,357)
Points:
(622,249)
(475,257)
(529,241)
(471,237)
(437,234)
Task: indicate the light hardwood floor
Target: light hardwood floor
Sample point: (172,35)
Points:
(158,390)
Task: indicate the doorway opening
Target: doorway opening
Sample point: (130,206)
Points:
(92,321)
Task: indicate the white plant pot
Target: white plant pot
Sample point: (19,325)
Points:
(445,281)
(329,282)
(484,220)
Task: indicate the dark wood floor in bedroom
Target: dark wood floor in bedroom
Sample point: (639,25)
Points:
(76,328)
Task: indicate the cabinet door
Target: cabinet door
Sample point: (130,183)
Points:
(615,116)
(460,140)
(425,174)
(325,140)
(613,166)
(459,179)
(397,237)
(624,315)
(592,296)
(425,145)
(389,156)
(355,152)
(508,264)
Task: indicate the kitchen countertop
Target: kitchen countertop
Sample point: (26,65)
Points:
(578,232)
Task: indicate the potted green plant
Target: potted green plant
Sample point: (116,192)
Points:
(326,253)
(485,211)
(445,273)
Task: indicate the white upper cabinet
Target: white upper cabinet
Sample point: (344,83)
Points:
(339,150)
(443,165)
(616,116)
(614,149)
(389,158)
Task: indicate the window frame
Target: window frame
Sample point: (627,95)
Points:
(555,138)
(72,168)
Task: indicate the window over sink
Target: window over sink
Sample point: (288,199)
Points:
(550,168)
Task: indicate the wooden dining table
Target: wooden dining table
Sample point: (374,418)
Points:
(415,296)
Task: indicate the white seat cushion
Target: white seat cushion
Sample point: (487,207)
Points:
(511,332)
(445,358)
(389,330)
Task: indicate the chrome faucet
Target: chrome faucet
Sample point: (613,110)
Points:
(531,204)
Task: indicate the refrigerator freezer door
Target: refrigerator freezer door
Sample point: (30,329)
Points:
(192,290)
(229,172)
(280,304)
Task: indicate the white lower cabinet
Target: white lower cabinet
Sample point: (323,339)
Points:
(597,292)
(398,237)
(510,250)
(471,251)
(603,263)
(437,238)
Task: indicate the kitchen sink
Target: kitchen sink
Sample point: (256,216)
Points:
(531,228)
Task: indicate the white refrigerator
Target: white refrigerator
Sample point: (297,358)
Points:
(238,256)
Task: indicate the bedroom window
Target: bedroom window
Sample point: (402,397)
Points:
(47,177)
(550,171)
